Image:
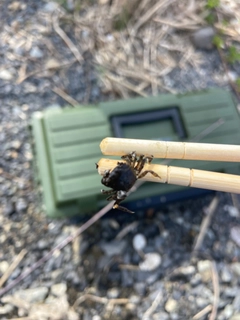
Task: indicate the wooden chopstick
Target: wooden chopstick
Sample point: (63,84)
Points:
(184,176)
(171,150)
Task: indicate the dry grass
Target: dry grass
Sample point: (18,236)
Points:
(135,44)
(148,45)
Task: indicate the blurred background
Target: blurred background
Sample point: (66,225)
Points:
(180,261)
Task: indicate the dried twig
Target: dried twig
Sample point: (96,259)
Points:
(102,300)
(235,201)
(216,291)
(225,66)
(12,267)
(153,306)
(61,245)
(130,227)
(205,224)
(66,39)
(183,25)
(130,267)
(203,312)
(159,5)
(23,76)
(24,318)
(124,83)
(65,96)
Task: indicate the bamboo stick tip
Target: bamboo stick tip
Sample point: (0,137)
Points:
(103,145)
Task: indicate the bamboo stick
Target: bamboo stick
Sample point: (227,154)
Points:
(171,150)
(184,176)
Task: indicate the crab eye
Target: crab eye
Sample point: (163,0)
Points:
(121,194)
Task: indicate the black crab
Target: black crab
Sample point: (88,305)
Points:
(123,176)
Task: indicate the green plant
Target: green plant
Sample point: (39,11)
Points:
(237,82)
(211,18)
(218,41)
(212,4)
(122,19)
(233,55)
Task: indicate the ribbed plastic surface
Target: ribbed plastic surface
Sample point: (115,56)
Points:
(66,144)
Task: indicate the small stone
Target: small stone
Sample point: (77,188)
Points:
(32,295)
(52,64)
(152,278)
(130,306)
(203,38)
(226,275)
(232,211)
(228,311)
(21,205)
(50,7)
(13,154)
(36,53)
(15,274)
(42,244)
(205,270)
(186,270)
(201,302)
(235,235)
(233,76)
(134,299)
(180,220)
(140,288)
(16,144)
(6,309)
(236,303)
(231,292)
(14,6)
(96,317)
(4,265)
(236,268)
(72,315)
(57,275)
(3,238)
(196,280)
(151,261)
(70,5)
(115,247)
(29,87)
(59,289)
(19,51)
(160,316)
(102,2)
(113,293)
(171,305)
(73,277)
(8,209)
(5,75)
(139,242)
(25,107)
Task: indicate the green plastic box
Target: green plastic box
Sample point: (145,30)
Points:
(66,144)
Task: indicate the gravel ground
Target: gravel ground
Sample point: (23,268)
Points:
(138,267)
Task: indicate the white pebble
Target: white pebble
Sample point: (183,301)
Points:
(5,75)
(59,289)
(205,269)
(171,305)
(151,261)
(4,265)
(139,242)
